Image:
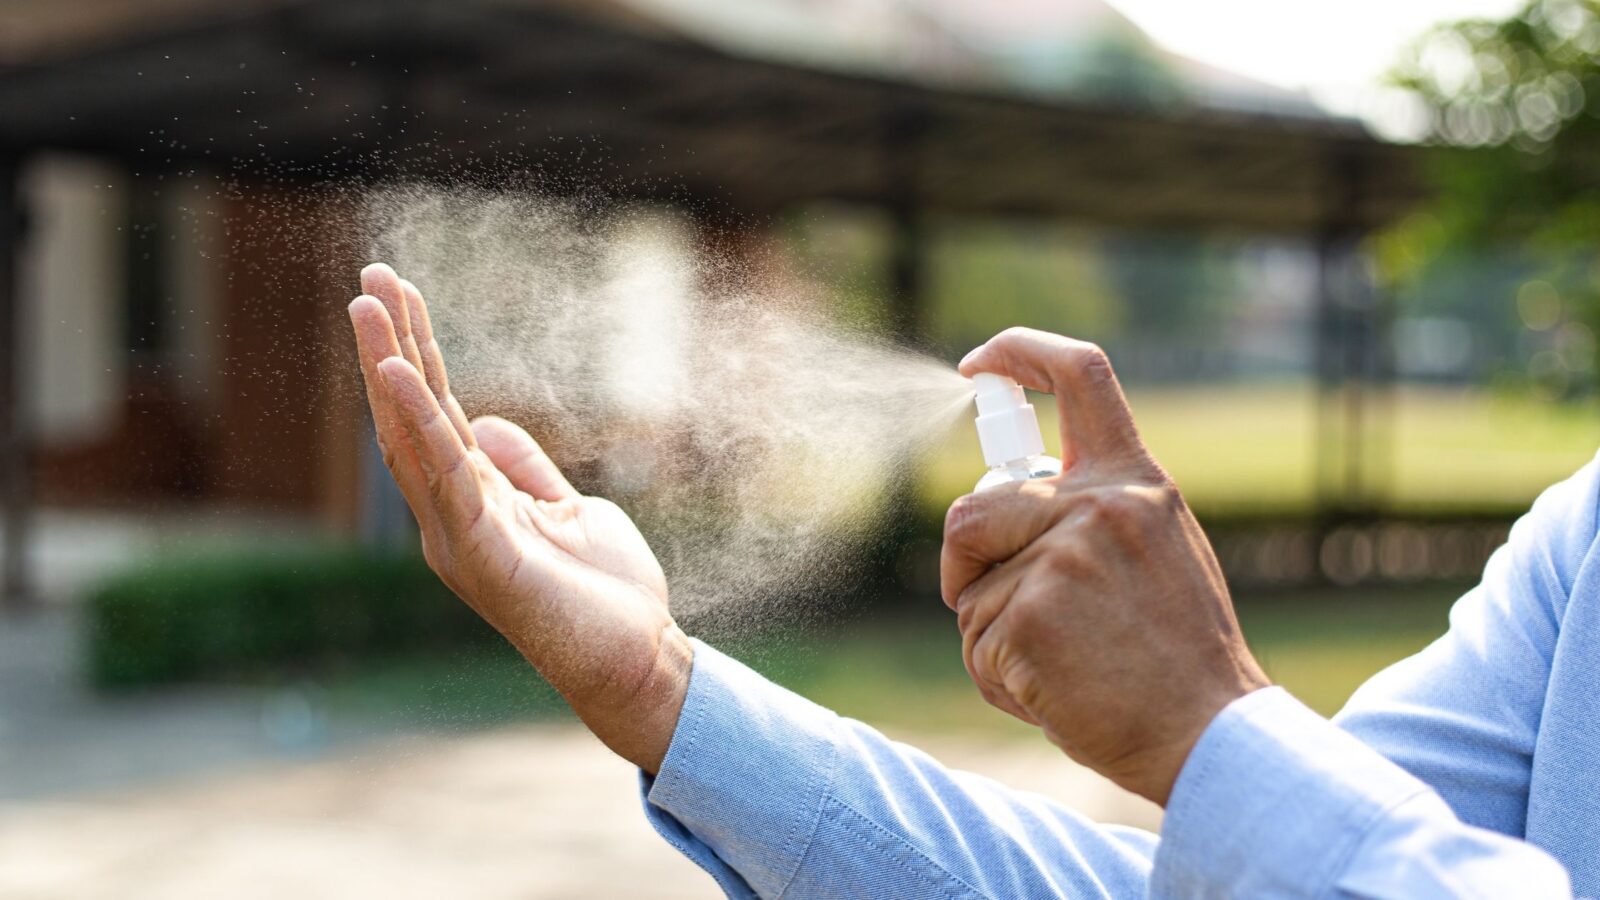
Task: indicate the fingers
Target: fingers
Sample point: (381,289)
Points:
(378,280)
(983,530)
(375,342)
(433,361)
(981,606)
(1096,424)
(983,667)
(452,481)
(520,458)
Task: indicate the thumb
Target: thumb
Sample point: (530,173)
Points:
(985,529)
(520,458)
(1096,424)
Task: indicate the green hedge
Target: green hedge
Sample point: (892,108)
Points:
(246,613)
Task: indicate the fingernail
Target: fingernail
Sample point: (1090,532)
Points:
(970,354)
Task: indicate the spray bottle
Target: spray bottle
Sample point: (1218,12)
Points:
(1008,431)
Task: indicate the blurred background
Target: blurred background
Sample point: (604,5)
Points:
(1340,254)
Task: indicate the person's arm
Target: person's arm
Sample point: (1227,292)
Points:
(776,796)
(1276,801)
(1440,746)
(1463,714)
(1092,604)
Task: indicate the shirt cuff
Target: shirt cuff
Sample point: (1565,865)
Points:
(1274,800)
(742,785)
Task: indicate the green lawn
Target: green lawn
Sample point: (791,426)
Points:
(1250,448)
(906,671)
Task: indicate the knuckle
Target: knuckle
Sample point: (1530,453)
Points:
(1011,670)
(981,654)
(1123,512)
(967,611)
(978,604)
(1091,506)
(1162,497)
(1141,505)
(1090,363)
(1113,506)
(1124,503)
(1066,556)
(964,518)
(1028,614)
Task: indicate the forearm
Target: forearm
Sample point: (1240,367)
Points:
(1277,801)
(772,793)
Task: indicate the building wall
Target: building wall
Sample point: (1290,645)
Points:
(241,396)
(294,424)
(70,280)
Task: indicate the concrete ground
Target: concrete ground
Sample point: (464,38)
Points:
(241,794)
(526,812)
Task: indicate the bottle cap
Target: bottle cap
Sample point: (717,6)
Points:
(1008,428)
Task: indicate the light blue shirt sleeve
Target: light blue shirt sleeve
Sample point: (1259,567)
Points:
(1422,787)
(776,796)
(1419,791)
(1276,801)
(1464,714)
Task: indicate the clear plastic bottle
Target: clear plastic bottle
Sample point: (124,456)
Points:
(1008,432)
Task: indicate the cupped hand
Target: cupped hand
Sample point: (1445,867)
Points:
(566,578)
(1090,603)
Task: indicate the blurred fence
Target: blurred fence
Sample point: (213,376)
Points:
(1392,551)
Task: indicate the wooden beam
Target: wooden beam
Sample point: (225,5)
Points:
(16,583)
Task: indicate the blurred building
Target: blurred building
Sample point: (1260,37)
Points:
(172,345)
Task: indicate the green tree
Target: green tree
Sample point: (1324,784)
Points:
(1514,107)
(1525,93)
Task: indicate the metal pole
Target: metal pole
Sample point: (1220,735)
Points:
(1357,333)
(1385,367)
(1326,443)
(908,244)
(16,584)
(1345,357)
(1368,337)
(907,274)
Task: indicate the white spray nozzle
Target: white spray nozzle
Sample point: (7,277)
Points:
(1008,428)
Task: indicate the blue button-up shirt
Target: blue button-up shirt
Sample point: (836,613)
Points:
(1469,770)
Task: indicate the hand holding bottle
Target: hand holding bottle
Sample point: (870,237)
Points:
(1090,602)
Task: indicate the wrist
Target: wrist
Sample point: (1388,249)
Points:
(664,697)
(1168,761)
(640,727)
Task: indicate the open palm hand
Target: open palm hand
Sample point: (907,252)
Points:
(566,578)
